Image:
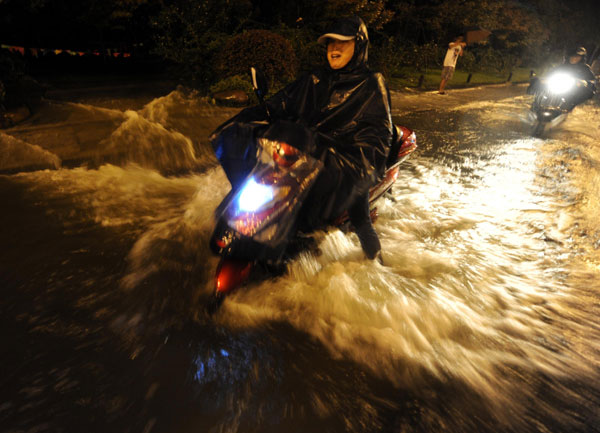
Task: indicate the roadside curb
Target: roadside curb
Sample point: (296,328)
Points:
(415,91)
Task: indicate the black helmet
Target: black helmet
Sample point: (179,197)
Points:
(345,29)
(580,52)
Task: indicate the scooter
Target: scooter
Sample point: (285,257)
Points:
(255,225)
(553,100)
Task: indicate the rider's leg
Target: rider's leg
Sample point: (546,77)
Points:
(361,221)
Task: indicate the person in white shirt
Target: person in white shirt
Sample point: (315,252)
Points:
(455,49)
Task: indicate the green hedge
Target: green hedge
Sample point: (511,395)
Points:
(261,48)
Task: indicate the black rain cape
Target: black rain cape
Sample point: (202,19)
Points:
(579,71)
(348,112)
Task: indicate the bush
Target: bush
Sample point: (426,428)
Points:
(385,58)
(487,59)
(16,87)
(261,48)
(467,62)
(189,34)
(304,42)
(422,57)
(490,60)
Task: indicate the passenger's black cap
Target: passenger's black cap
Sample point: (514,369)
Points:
(344,29)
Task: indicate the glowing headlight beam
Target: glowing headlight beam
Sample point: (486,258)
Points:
(561,83)
(253,196)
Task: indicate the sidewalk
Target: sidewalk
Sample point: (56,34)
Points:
(410,100)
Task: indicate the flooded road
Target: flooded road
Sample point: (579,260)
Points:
(483,319)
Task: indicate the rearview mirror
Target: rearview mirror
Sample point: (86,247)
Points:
(259,82)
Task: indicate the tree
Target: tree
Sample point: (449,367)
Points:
(190,32)
(72,24)
(375,13)
(516,27)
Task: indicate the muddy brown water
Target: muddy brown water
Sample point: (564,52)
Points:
(484,317)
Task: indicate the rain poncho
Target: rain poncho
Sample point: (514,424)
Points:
(583,72)
(348,112)
(579,94)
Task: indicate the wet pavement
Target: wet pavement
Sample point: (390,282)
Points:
(484,317)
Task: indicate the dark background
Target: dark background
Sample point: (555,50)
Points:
(194,40)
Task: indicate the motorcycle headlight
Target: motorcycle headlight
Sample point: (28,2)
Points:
(560,83)
(254,195)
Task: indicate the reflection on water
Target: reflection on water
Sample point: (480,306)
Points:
(482,319)
(474,286)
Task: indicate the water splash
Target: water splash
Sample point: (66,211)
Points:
(150,145)
(179,242)
(474,285)
(16,154)
(488,297)
(168,134)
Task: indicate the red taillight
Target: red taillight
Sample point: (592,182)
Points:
(285,155)
(409,143)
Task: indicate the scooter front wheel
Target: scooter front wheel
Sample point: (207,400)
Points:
(538,129)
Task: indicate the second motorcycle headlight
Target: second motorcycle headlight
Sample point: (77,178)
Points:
(560,83)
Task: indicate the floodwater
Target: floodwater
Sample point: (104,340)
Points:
(484,317)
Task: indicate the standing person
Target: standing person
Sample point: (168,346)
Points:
(347,107)
(455,49)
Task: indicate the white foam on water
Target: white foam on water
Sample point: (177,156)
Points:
(151,145)
(180,241)
(472,285)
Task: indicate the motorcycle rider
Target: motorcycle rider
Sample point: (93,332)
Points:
(575,65)
(578,68)
(347,108)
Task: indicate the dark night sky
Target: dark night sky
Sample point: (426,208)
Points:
(66,24)
(76,24)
